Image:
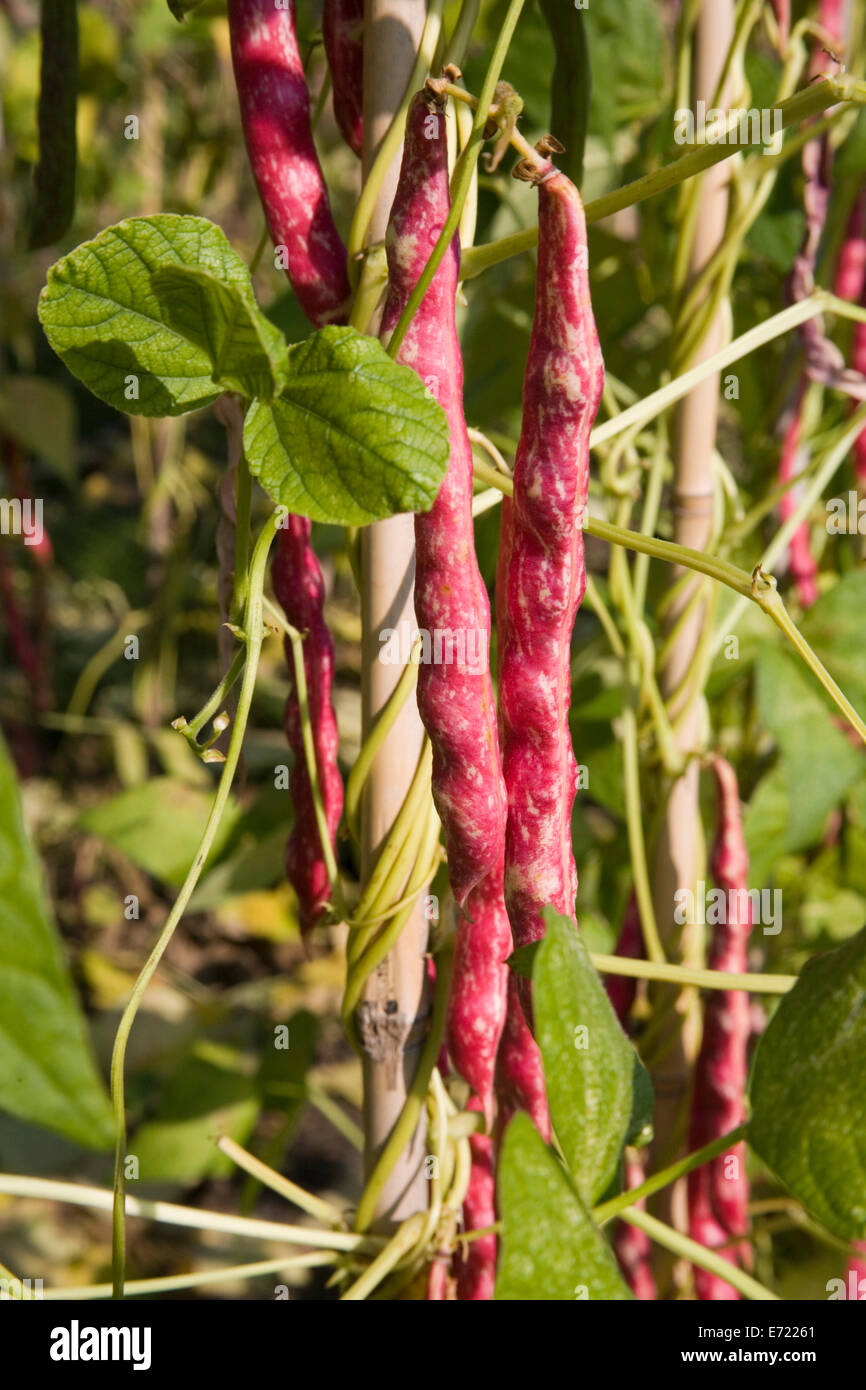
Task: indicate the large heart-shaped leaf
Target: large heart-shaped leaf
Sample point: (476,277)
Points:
(247,353)
(147,341)
(808,1092)
(47,1075)
(353,438)
(591,1069)
(551,1250)
(820,767)
(159,824)
(202,1100)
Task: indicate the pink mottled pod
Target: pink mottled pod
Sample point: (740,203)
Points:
(850,278)
(802,563)
(858,362)
(831,14)
(718,1191)
(476,1268)
(519,1072)
(782,9)
(632,1247)
(343,32)
(275,113)
(437,1279)
(542,570)
(621,990)
(455,695)
(856,1272)
(704,1228)
(476,1006)
(299,587)
(851,284)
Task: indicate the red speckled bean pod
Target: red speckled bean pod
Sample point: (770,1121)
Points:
(856,1272)
(455,695)
(633,1247)
(476,1270)
(343,32)
(851,284)
(831,13)
(719,1190)
(704,1228)
(542,562)
(850,279)
(519,1072)
(621,990)
(858,362)
(783,18)
(479,980)
(824,363)
(801,562)
(275,112)
(299,587)
(437,1279)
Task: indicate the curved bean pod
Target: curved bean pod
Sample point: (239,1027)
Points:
(300,589)
(718,1192)
(343,32)
(542,570)
(476,1270)
(275,113)
(455,695)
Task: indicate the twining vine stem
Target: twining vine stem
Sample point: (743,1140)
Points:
(253,629)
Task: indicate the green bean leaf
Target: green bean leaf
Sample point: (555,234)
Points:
(353,438)
(47,1073)
(807,1092)
(551,1249)
(157,316)
(596,1088)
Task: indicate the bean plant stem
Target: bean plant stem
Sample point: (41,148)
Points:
(198,1279)
(688,975)
(689,1249)
(333,872)
(314,1206)
(170,1214)
(795,109)
(616,1205)
(833,459)
(459,40)
(253,632)
(758,586)
(376,737)
(404,1239)
(243,507)
(192,729)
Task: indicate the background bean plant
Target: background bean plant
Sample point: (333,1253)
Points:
(432,792)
